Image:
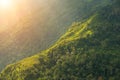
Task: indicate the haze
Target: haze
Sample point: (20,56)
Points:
(29,26)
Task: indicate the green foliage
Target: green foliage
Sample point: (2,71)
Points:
(88,51)
(44,21)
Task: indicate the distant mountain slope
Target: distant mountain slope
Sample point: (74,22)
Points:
(40,24)
(89,50)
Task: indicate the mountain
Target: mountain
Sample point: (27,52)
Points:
(89,50)
(37,24)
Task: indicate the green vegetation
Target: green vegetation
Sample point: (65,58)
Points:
(89,50)
(47,21)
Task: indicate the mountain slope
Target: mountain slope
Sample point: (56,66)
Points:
(88,51)
(39,25)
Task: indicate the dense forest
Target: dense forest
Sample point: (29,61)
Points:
(89,50)
(40,24)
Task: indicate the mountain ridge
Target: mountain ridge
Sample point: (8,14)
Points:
(40,24)
(89,50)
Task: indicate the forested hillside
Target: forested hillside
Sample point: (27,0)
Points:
(38,24)
(89,50)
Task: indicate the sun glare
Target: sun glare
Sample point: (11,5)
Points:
(10,12)
(5,3)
